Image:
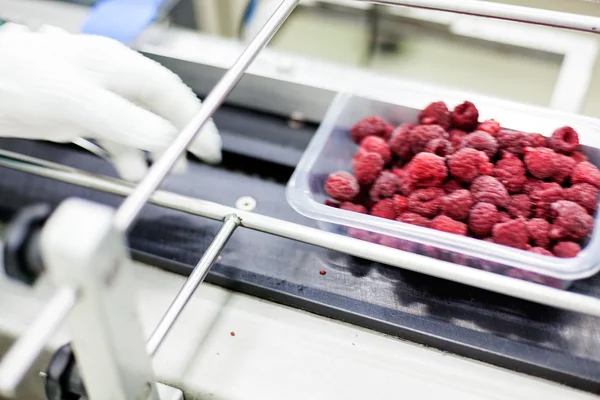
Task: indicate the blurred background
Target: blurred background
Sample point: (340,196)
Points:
(536,65)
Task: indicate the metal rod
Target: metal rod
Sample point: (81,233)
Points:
(133,204)
(505,12)
(21,356)
(453,272)
(192,282)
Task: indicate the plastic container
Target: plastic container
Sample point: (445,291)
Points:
(331,150)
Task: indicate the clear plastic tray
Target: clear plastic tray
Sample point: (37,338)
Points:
(331,150)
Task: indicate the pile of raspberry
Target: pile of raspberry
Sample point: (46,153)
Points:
(453,173)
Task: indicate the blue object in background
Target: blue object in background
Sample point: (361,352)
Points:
(250,9)
(122,20)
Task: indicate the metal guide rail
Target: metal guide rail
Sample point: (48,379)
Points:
(89,264)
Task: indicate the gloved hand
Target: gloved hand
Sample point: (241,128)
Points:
(58,87)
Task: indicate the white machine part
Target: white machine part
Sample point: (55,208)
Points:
(125,371)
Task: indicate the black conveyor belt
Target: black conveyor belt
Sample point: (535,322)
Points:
(261,152)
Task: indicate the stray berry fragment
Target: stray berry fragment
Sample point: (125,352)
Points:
(322,272)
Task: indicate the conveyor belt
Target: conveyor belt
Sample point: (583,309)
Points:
(261,151)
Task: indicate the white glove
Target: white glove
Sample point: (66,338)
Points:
(58,87)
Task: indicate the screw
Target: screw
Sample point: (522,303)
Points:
(246,203)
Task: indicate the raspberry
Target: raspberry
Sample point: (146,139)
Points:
(465,116)
(512,141)
(520,206)
(374,144)
(456,138)
(447,224)
(439,147)
(342,186)
(531,185)
(482,217)
(384,209)
(457,204)
(583,194)
(566,249)
(540,250)
(540,161)
(490,126)
(414,219)
(536,140)
(399,142)
(423,134)
(503,217)
(452,186)
(539,232)
(370,126)
(512,233)
(362,234)
(564,140)
(488,189)
(404,182)
(425,202)
(427,170)
(571,221)
(481,141)
(386,185)
(578,156)
(564,168)
(586,172)
(510,171)
(396,243)
(400,204)
(332,203)
(436,114)
(467,164)
(353,207)
(543,196)
(367,167)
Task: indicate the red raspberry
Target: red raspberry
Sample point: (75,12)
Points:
(414,219)
(540,161)
(384,209)
(399,142)
(465,116)
(425,202)
(512,233)
(457,204)
(452,186)
(404,182)
(447,224)
(564,168)
(586,172)
(353,207)
(481,141)
(370,126)
(571,221)
(385,186)
(436,114)
(566,249)
(583,194)
(488,189)
(578,156)
(396,243)
(539,232)
(374,144)
(467,164)
(512,141)
(400,204)
(503,217)
(490,126)
(536,140)
(520,206)
(427,170)
(363,235)
(367,167)
(423,134)
(456,138)
(531,185)
(482,217)
(510,171)
(342,186)
(564,140)
(543,197)
(439,147)
(540,250)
